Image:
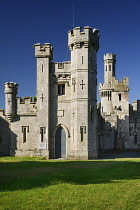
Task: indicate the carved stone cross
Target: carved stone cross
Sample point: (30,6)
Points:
(42,97)
(82,84)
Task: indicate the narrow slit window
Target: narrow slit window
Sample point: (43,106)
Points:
(82,59)
(120,97)
(82,133)
(25,129)
(106,68)
(24,134)
(109,67)
(42,68)
(42,134)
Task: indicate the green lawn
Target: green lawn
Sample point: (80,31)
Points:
(34,183)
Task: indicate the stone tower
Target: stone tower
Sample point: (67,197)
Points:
(10,90)
(84,46)
(44,55)
(114,106)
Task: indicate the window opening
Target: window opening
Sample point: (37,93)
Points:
(82,59)
(42,134)
(42,131)
(82,131)
(120,97)
(42,68)
(109,67)
(61,89)
(25,129)
(24,135)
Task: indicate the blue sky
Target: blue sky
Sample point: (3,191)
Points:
(26,22)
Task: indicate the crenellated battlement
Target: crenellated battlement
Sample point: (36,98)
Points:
(61,67)
(26,100)
(26,106)
(115,85)
(105,86)
(121,86)
(43,51)
(109,56)
(10,87)
(88,36)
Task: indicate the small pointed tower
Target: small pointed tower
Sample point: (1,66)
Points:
(43,56)
(106,89)
(84,46)
(10,90)
(109,67)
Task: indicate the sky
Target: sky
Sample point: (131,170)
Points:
(26,22)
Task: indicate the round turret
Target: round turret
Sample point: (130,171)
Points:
(10,90)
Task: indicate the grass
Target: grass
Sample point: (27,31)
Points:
(33,183)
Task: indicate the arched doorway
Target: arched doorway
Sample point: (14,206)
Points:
(60,143)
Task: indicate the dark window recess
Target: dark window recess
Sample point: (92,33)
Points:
(42,134)
(82,131)
(25,129)
(106,68)
(109,67)
(61,90)
(82,59)
(42,131)
(24,134)
(120,97)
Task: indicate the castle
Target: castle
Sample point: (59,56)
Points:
(64,119)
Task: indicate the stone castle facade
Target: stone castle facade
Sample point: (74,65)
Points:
(64,120)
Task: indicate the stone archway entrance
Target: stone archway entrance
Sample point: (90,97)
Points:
(60,143)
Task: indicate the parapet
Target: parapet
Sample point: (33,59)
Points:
(105,86)
(110,56)
(26,100)
(26,106)
(115,85)
(88,36)
(10,87)
(43,51)
(120,86)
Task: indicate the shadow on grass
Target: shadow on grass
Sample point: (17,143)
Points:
(33,174)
